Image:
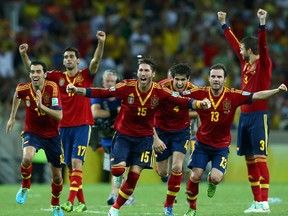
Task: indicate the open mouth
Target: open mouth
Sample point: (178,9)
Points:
(179,88)
(143,80)
(36,80)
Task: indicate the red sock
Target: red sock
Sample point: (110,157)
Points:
(265,177)
(75,182)
(192,193)
(56,192)
(254,176)
(173,188)
(26,175)
(126,189)
(80,195)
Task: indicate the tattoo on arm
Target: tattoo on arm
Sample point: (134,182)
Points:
(80,91)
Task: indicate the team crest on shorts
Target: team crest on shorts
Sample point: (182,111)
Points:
(61,82)
(226,106)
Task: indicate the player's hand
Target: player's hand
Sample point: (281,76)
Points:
(222,17)
(159,146)
(101,36)
(262,16)
(10,125)
(282,88)
(38,99)
(70,88)
(23,48)
(261,13)
(206,103)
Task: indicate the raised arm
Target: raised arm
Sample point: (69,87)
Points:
(221,17)
(262,95)
(14,109)
(91,92)
(95,62)
(229,35)
(23,53)
(265,61)
(262,16)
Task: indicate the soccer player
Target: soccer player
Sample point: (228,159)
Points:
(172,125)
(104,111)
(132,143)
(77,116)
(213,136)
(41,130)
(253,128)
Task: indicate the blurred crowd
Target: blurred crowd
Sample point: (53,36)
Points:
(169,31)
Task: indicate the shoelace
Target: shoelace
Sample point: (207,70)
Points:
(23,192)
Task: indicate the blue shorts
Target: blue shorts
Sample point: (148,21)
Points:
(51,146)
(75,142)
(203,153)
(253,133)
(132,150)
(190,149)
(174,141)
(106,142)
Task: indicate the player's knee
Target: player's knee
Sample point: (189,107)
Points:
(117,171)
(177,169)
(162,173)
(57,177)
(57,180)
(27,161)
(216,179)
(196,178)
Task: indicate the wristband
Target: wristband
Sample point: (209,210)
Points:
(190,103)
(88,92)
(198,104)
(262,27)
(224,26)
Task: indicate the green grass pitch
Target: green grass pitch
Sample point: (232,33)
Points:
(230,199)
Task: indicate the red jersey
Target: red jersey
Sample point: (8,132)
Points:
(256,77)
(171,117)
(38,122)
(136,116)
(217,120)
(76,108)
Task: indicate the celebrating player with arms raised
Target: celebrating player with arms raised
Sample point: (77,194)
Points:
(133,141)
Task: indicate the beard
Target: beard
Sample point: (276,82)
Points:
(246,58)
(36,85)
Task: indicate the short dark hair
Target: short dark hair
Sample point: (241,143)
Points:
(218,66)
(37,62)
(181,69)
(251,42)
(73,49)
(148,61)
